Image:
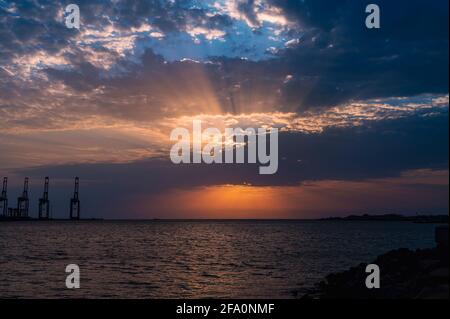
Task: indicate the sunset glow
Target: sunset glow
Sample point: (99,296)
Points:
(357,110)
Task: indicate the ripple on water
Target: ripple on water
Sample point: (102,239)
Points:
(191,259)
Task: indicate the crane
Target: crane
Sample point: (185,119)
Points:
(44,203)
(23,202)
(4,198)
(75,202)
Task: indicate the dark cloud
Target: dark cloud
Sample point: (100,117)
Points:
(384,149)
(31,26)
(247,7)
(337,59)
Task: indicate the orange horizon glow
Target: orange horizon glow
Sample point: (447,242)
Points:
(312,199)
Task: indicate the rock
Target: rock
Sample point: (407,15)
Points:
(441,236)
(440,273)
(405,274)
(428,264)
(438,292)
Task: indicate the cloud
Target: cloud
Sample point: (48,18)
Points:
(384,149)
(311,199)
(120,138)
(353,104)
(332,58)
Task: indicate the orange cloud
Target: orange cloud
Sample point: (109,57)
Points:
(308,200)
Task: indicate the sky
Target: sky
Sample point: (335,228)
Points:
(362,113)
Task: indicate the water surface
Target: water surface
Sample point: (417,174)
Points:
(192,259)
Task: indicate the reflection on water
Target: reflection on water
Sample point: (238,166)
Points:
(160,259)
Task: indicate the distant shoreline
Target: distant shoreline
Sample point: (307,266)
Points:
(422,219)
(394,217)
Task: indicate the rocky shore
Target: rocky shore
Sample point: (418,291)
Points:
(405,274)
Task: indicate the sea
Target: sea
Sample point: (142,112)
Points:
(191,259)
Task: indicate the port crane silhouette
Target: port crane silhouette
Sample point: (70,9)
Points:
(23,203)
(44,208)
(4,198)
(75,202)
(44,203)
